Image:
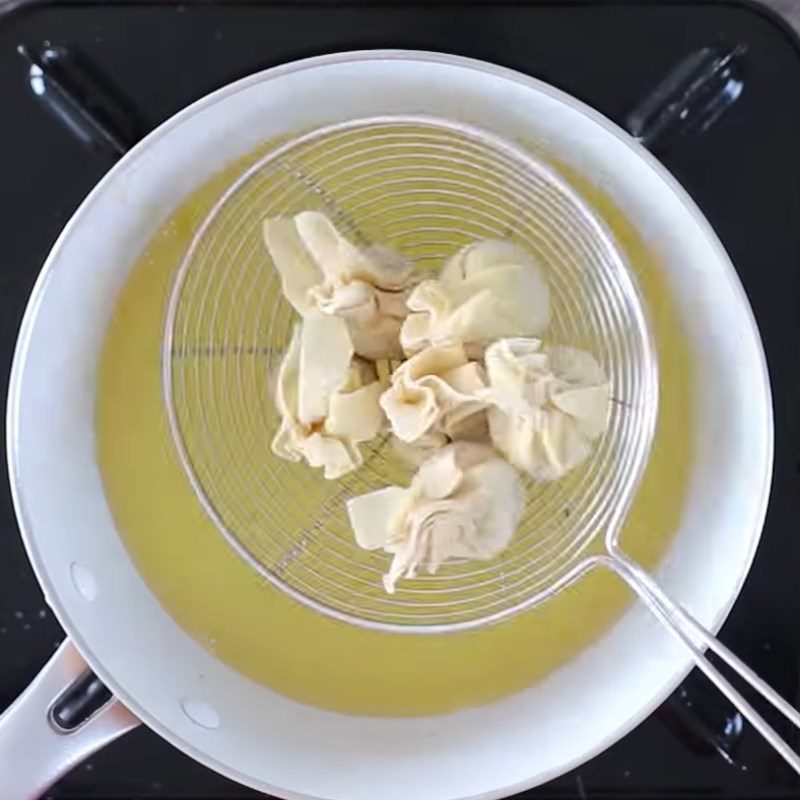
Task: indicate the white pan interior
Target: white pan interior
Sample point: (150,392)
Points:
(208,710)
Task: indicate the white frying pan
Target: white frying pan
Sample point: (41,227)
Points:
(203,707)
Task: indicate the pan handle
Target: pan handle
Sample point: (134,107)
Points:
(64,716)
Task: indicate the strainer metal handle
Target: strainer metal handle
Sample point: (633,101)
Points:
(696,639)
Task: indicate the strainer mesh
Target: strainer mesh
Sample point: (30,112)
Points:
(425,187)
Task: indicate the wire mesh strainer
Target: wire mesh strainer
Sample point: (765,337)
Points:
(425,187)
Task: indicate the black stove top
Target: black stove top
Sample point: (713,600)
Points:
(742,168)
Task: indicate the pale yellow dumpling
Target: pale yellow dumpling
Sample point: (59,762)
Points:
(549,405)
(327,401)
(434,397)
(322,272)
(486,291)
(464,502)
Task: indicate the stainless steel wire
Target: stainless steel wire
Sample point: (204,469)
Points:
(425,187)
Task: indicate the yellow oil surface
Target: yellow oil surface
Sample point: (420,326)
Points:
(230,610)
